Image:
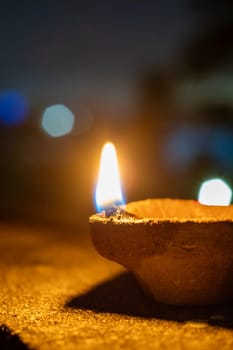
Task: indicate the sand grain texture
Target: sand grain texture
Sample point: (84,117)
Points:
(58,293)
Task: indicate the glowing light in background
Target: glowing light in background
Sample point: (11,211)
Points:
(185,146)
(108,189)
(57,120)
(215,192)
(14,108)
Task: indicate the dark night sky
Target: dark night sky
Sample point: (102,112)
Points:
(66,46)
(90,55)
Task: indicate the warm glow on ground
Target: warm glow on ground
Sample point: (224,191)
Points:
(108,189)
(215,192)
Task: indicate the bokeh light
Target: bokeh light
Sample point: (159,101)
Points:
(184,146)
(57,120)
(13,108)
(215,192)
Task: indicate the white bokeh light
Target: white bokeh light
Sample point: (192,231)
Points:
(215,192)
(57,120)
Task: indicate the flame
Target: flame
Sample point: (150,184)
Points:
(108,189)
(215,192)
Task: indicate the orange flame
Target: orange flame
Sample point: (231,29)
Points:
(108,190)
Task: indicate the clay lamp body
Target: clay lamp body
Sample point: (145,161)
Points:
(181,252)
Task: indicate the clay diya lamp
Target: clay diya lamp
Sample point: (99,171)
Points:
(180,251)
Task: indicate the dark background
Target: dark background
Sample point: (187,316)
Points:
(155,78)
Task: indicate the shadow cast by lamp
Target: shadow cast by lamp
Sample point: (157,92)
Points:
(122,295)
(10,340)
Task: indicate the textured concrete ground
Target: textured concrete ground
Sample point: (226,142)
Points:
(56,292)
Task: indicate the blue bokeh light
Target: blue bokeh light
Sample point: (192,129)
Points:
(186,144)
(57,120)
(13,107)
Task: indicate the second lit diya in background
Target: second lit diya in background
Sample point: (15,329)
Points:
(180,251)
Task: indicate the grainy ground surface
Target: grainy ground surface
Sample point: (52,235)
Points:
(56,292)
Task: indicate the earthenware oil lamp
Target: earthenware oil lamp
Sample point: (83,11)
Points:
(180,251)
